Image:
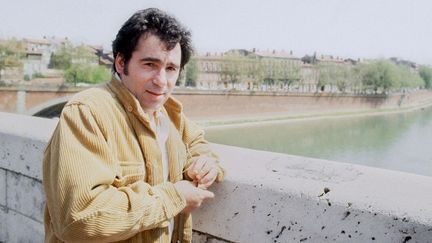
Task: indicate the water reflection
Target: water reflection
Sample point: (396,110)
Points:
(394,141)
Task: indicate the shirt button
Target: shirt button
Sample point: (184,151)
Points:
(150,192)
(129,108)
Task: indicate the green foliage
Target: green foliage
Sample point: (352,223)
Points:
(77,73)
(233,67)
(192,71)
(84,54)
(254,69)
(426,75)
(407,78)
(61,59)
(67,55)
(385,75)
(342,76)
(281,72)
(37,75)
(11,53)
(377,76)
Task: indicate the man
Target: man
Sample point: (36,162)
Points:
(124,163)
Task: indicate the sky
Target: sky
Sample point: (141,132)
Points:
(343,28)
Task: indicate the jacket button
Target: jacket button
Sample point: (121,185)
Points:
(129,108)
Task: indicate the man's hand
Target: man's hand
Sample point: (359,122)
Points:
(194,195)
(203,172)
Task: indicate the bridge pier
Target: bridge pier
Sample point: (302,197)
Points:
(21,102)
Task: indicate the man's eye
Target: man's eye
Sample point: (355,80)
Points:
(149,64)
(171,68)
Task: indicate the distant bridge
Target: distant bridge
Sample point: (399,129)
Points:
(36,100)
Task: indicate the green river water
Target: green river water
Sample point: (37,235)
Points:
(401,141)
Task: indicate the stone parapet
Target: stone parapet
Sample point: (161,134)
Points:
(267,197)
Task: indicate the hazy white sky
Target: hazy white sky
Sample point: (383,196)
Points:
(346,28)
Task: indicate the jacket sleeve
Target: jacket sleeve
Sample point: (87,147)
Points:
(79,174)
(197,146)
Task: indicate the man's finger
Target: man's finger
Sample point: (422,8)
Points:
(196,167)
(192,171)
(207,194)
(209,178)
(204,171)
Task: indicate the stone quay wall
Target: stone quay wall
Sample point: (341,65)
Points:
(204,105)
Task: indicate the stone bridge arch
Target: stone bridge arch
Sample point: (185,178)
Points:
(49,109)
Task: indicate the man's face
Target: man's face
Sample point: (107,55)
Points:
(152,71)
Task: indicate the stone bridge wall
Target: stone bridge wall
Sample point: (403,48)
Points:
(267,197)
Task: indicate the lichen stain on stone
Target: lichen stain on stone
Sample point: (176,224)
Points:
(235,189)
(281,231)
(346,214)
(406,239)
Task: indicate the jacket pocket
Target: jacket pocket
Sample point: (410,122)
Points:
(131,172)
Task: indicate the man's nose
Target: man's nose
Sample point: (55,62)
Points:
(160,78)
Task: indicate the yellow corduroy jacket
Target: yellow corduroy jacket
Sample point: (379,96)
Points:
(102,170)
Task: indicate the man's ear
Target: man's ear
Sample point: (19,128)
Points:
(119,64)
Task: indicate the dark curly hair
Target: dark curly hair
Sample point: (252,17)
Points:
(152,21)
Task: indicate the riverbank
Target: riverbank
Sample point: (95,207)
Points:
(283,117)
(216,109)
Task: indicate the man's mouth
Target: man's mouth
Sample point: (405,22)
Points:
(154,93)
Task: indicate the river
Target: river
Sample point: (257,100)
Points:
(401,141)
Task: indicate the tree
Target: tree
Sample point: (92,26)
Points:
(408,78)
(68,55)
(286,73)
(11,53)
(327,75)
(426,74)
(78,73)
(192,72)
(61,59)
(253,71)
(379,75)
(232,67)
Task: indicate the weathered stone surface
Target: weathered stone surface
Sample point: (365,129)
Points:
(15,227)
(199,237)
(2,187)
(4,235)
(23,139)
(22,155)
(25,195)
(269,197)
